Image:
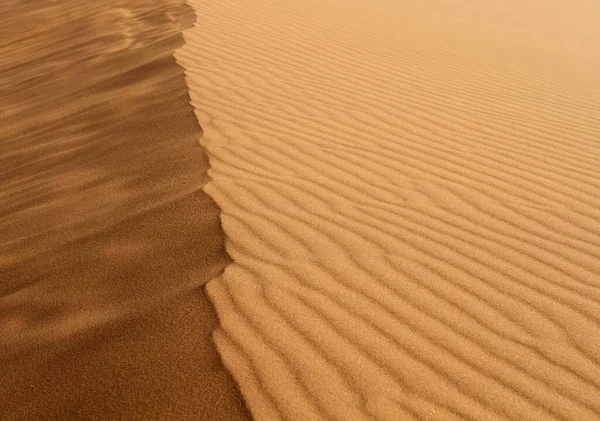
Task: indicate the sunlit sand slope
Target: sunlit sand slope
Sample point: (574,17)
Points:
(410,193)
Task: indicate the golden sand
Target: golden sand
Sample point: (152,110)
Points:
(105,235)
(410,193)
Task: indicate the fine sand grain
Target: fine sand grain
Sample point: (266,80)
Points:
(105,235)
(410,192)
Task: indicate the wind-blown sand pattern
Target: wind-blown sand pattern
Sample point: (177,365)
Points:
(410,193)
(106,237)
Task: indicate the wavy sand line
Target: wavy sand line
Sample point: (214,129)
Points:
(106,237)
(409,193)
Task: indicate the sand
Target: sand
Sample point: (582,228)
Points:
(106,237)
(410,194)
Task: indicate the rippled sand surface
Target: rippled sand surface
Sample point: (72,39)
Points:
(410,193)
(105,235)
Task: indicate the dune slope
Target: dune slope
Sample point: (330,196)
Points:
(106,237)
(410,194)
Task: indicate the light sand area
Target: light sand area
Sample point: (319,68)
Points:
(106,237)
(410,192)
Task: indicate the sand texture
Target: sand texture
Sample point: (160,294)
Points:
(410,193)
(105,234)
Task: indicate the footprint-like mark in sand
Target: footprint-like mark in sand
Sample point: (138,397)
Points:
(116,30)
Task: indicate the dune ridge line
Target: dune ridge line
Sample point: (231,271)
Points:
(106,237)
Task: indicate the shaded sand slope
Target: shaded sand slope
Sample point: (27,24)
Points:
(410,193)
(105,234)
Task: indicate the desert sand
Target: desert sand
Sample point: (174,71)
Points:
(410,193)
(106,237)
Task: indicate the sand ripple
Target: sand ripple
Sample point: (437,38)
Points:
(410,193)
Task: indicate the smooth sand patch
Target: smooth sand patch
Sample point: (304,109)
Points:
(105,235)
(410,193)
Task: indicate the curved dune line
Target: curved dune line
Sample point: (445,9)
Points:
(106,238)
(410,193)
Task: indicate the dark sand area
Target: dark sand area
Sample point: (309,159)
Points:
(105,234)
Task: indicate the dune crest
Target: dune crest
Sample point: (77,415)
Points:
(106,237)
(410,193)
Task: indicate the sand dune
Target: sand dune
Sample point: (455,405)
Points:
(105,235)
(410,194)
